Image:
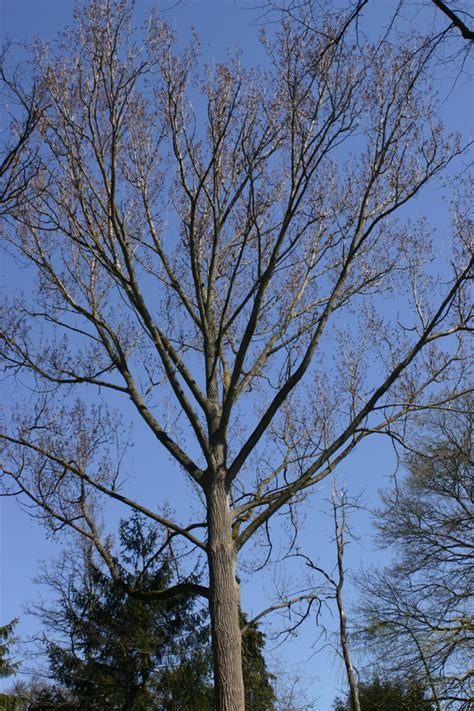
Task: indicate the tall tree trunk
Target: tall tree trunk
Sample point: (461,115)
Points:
(224,602)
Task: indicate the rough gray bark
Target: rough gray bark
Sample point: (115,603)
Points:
(224,602)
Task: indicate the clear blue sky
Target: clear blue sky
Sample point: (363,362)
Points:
(221,24)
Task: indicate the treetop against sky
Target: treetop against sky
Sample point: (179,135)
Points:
(220,266)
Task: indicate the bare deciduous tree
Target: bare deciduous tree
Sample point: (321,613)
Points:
(417,614)
(340,525)
(205,246)
(335,589)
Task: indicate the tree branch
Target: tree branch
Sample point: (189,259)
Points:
(465,31)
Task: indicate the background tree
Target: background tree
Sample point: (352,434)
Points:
(8,667)
(334,586)
(259,693)
(38,695)
(112,650)
(418,612)
(200,267)
(7,639)
(340,528)
(387,695)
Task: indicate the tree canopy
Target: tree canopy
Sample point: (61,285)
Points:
(418,612)
(215,256)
